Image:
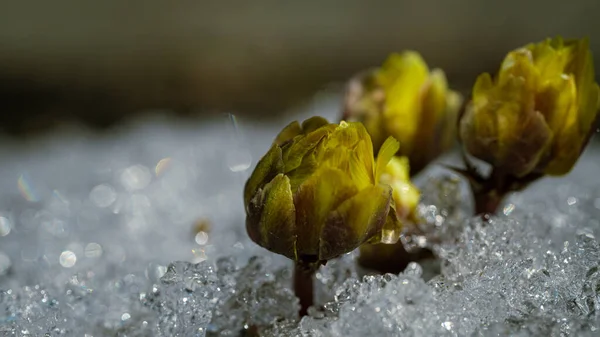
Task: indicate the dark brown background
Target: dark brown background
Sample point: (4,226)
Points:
(105,60)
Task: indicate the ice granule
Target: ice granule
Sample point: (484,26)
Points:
(90,227)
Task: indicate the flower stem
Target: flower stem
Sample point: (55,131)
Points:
(487,202)
(303,286)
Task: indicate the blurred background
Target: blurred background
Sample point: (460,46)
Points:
(105,61)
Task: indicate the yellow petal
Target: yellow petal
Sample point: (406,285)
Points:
(448,128)
(402,77)
(266,169)
(437,122)
(398,168)
(361,166)
(387,151)
(364,150)
(582,66)
(271,218)
(406,196)
(355,221)
(323,192)
(519,65)
(348,148)
(557,101)
(575,108)
(434,98)
(483,85)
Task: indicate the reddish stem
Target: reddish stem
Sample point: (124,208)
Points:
(303,287)
(487,203)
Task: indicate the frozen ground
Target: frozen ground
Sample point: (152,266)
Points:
(91,227)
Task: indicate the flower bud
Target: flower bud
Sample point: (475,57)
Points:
(316,194)
(406,195)
(394,258)
(405,100)
(538,113)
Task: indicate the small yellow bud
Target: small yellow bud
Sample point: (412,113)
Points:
(406,195)
(405,100)
(537,114)
(316,194)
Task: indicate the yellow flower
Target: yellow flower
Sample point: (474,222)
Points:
(537,114)
(392,258)
(315,195)
(406,195)
(405,100)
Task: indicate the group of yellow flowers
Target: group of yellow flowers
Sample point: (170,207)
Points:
(320,191)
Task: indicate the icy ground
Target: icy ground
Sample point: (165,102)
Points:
(91,227)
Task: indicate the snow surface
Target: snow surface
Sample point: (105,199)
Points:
(98,237)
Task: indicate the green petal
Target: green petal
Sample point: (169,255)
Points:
(571,140)
(524,136)
(272,217)
(355,221)
(478,134)
(313,123)
(315,199)
(288,133)
(266,169)
(293,153)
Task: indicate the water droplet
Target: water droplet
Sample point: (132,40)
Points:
(199,255)
(103,195)
(508,209)
(27,189)
(155,271)
(201,238)
(389,236)
(4,263)
(136,177)
(571,201)
(125,316)
(5,226)
(448,325)
(597,203)
(414,268)
(162,166)
(93,250)
(238,160)
(67,259)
